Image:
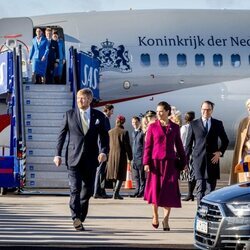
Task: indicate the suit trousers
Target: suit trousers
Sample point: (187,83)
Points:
(50,73)
(81,182)
(203,187)
(139,177)
(100,178)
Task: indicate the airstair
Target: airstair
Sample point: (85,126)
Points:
(36,113)
(44,107)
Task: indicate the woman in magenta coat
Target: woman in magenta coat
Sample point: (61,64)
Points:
(162,144)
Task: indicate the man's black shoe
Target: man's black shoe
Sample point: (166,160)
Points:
(97,196)
(139,195)
(78,224)
(117,197)
(104,196)
(133,195)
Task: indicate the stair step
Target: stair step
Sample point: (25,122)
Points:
(47,95)
(40,167)
(42,137)
(42,130)
(46,88)
(46,108)
(42,152)
(31,144)
(47,116)
(43,123)
(53,179)
(48,102)
(40,159)
(44,175)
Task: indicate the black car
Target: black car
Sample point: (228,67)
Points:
(223,219)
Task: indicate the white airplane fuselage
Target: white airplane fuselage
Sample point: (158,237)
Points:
(190,55)
(155,33)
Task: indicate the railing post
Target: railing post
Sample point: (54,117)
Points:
(23,162)
(75,78)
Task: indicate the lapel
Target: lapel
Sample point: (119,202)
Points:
(92,118)
(136,133)
(244,129)
(36,43)
(201,125)
(42,41)
(212,125)
(161,129)
(78,119)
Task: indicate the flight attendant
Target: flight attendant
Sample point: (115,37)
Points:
(38,57)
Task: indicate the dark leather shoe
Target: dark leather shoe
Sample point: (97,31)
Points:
(78,224)
(97,196)
(188,198)
(117,197)
(133,195)
(106,196)
(103,196)
(139,195)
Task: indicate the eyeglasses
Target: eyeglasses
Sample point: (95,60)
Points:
(207,110)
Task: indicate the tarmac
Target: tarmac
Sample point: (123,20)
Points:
(40,219)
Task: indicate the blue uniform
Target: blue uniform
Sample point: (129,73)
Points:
(36,53)
(59,69)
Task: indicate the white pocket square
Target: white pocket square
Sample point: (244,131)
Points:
(97,122)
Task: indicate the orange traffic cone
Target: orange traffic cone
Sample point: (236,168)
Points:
(128,182)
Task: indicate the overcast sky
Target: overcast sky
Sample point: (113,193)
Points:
(13,8)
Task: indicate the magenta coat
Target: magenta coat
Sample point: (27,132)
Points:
(162,145)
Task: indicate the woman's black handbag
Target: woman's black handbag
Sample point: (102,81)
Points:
(179,164)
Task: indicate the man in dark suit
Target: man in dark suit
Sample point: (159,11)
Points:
(203,142)
(137,148)
(53,56)
(86,148)
(100,178)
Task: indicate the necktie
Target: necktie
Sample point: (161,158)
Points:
(85,124)
(206,126)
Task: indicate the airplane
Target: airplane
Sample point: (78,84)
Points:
(146,56)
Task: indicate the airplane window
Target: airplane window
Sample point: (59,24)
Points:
(163,59)
(145,59)
(181,60)
(199,60)
(235,60)
(218,60)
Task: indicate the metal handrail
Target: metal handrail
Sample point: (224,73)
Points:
(2,149)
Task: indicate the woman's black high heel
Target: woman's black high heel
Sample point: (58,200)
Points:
(155,225)
(165,225)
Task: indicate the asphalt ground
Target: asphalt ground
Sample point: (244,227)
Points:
(40,219)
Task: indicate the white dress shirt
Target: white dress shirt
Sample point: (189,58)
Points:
(208,121)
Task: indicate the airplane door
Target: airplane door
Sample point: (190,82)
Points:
(16,31)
